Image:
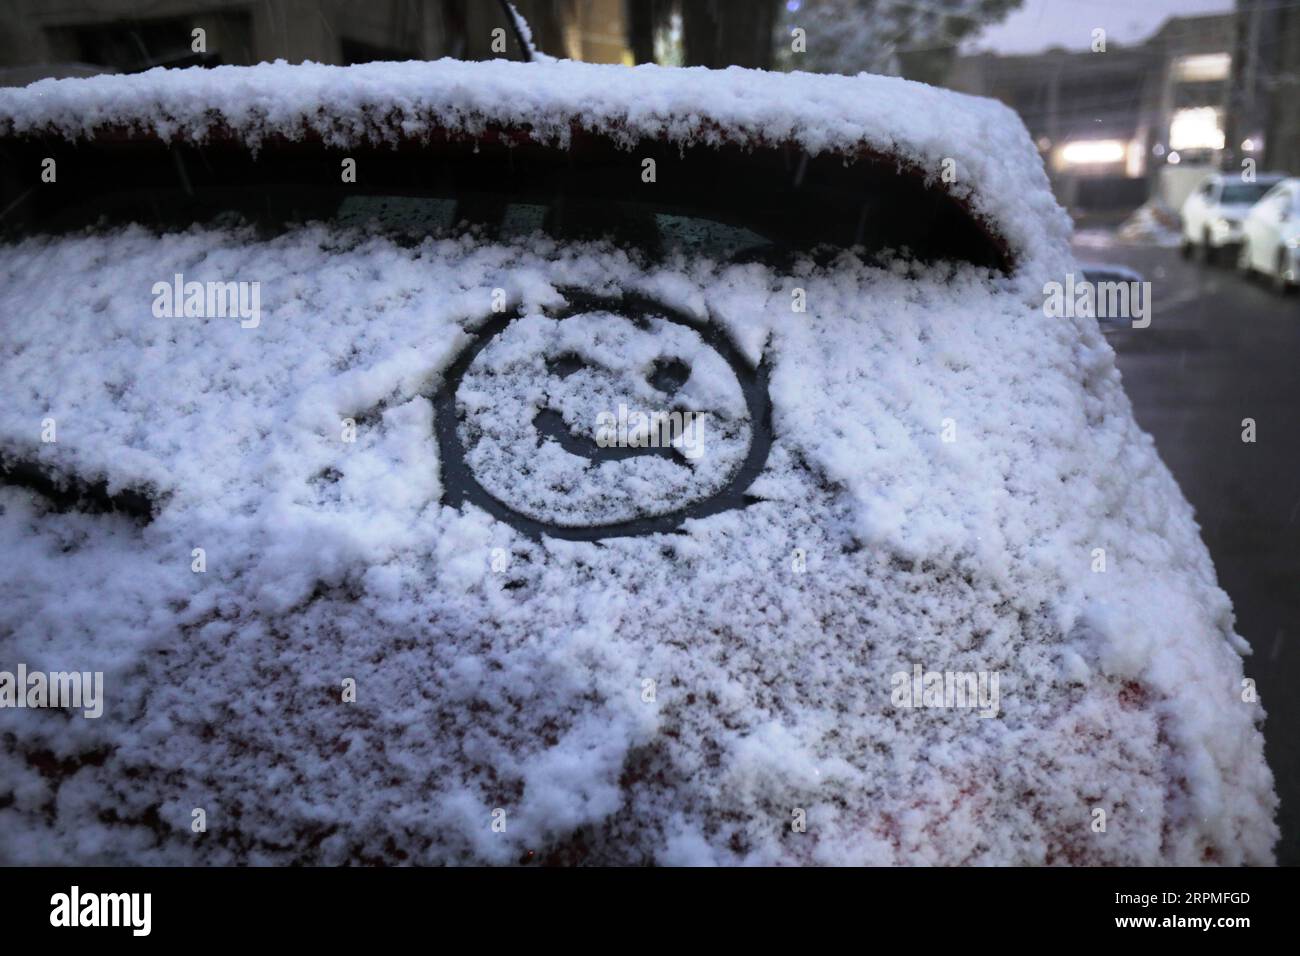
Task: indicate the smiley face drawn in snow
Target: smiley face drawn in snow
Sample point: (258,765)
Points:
(527,415)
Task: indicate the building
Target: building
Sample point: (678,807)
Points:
(1108,120)
(1082,109)
(1265,108)
(79,37)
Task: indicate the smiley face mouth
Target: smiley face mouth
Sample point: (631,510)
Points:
(638,488)
(550,425)
(677,442)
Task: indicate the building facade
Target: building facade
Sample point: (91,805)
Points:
(77,37)
(1119,124)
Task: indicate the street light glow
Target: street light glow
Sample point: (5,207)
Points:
(1196,128)
(1090,152)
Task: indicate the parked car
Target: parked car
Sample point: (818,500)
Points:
(1271,236)
(1212,215)
(304,372)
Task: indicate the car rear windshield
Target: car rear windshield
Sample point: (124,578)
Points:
(723,202)
(1239,193)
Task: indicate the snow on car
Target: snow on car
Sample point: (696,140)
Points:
(928,595)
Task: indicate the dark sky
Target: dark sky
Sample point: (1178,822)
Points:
(1039,24)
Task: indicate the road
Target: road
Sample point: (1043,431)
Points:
(1221,349)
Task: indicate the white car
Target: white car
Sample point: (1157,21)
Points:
(1271,236)
(1213,213)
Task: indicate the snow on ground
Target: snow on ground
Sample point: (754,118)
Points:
(1152,223)
(771,633)
(1093,238)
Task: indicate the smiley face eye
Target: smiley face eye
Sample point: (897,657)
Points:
(562,366)
(668,375)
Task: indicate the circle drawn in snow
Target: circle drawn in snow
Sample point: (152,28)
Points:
(520,414)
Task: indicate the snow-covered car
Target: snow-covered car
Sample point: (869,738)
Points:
(1212,215)
(1271,236)
(334,439)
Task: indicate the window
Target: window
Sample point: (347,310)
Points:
(1202,67)
(1242,193)
(1196,128)
(131,46)
(725,202)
